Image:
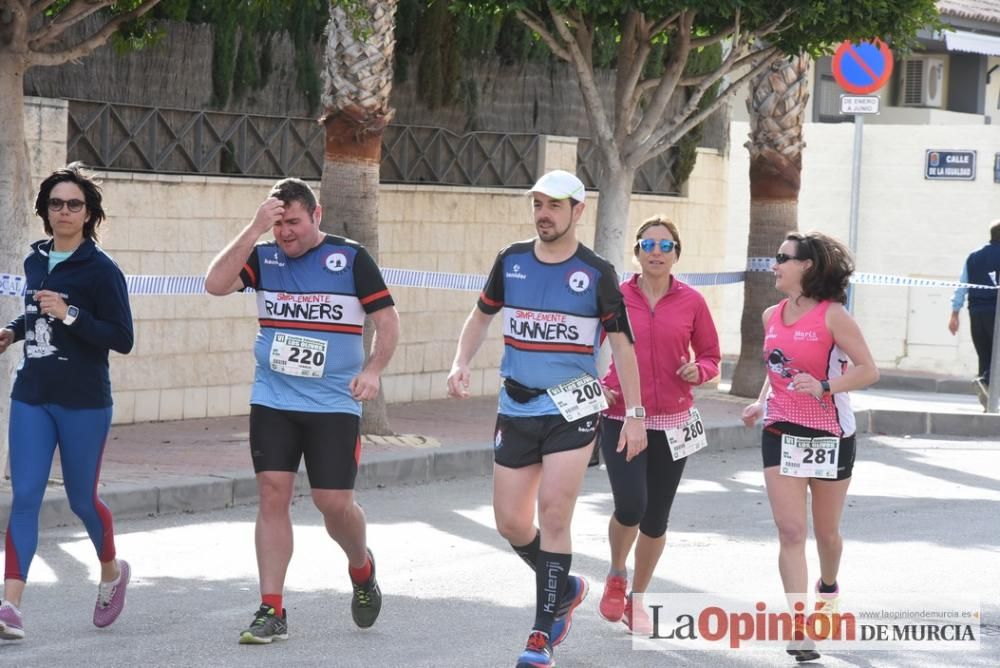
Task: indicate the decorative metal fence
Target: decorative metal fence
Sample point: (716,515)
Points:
(153,139)
(419,154)
(655,177)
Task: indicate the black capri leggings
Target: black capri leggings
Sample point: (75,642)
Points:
(644,488)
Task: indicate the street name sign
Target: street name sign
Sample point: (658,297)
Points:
(950,164)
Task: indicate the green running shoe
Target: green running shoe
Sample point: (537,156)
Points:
(367,600)
(266,627)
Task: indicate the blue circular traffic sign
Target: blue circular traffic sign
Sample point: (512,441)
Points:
(862,67)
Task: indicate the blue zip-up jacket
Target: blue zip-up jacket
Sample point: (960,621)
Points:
(983,266)
(67,365)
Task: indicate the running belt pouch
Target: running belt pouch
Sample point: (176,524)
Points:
(522,394)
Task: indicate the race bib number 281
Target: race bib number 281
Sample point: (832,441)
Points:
(803,457)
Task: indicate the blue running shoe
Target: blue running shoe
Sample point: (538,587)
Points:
(537,652)
(576,590)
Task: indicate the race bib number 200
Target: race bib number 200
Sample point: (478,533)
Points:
(300,356)
(579,397)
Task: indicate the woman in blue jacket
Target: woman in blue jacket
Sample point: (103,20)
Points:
(76,309)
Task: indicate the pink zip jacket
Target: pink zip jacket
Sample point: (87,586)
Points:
(663,334)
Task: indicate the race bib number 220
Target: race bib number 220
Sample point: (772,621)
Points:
(295,355)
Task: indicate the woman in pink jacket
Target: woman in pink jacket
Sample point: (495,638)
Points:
(669,320)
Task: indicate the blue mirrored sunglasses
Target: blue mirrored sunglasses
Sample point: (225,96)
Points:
(647,245)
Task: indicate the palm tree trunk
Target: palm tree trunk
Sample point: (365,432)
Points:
(349,194)
(357,83)
(777,103)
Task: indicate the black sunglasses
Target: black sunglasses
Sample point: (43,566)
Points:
(74,205)
(782,258)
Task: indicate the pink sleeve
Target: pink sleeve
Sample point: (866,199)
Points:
(705,342)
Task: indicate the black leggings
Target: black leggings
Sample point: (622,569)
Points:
(644,488)
(981,326)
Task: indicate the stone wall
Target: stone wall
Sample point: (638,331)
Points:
(193,357)
(193,354)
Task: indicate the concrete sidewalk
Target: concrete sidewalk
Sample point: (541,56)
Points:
(198,465)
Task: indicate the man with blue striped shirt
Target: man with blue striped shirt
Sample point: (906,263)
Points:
(314,291)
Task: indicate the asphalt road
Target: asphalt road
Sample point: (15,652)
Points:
(922,516)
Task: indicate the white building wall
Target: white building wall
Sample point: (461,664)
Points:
(907,226)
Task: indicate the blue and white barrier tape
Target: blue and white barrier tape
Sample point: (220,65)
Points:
(12,285)
(864,278)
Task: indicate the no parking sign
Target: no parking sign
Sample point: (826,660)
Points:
(862,67)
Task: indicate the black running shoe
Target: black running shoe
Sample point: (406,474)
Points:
(367,601)
(266,627)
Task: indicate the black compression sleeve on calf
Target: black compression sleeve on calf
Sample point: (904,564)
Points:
(529,552)
(550,581)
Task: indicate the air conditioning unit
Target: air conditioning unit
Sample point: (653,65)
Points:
(922,82)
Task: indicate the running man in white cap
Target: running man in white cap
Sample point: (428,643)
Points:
(556,295)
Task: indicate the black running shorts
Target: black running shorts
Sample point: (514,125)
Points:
(523,441)
(771,446)
(330,443)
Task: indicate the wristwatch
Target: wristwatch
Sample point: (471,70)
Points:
(825,384)
(635,412)
(71,313)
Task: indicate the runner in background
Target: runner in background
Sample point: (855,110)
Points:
(982,267)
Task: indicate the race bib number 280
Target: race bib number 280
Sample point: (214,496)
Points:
(295,355)
(688,439)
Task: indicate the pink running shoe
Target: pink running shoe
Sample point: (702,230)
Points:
(11,625)
(635,617)
(111,597)
(612,605)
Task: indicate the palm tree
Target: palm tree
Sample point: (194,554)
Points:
(777,105)
(357,80)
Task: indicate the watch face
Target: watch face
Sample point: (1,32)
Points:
(73,311)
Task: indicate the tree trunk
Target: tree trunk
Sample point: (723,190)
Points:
(776,103)
(349,195)
(770,220)
(15,216)
(612,214)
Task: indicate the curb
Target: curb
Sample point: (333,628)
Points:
(903,423)
(426,465)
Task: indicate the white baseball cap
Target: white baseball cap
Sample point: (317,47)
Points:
(560,184)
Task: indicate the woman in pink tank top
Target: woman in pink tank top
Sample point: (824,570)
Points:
(815,354)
